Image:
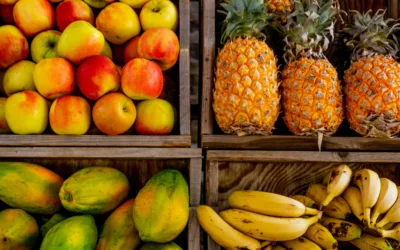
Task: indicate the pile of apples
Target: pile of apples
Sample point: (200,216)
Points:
(70,63)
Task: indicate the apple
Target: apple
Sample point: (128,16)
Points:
(44,45)
(107,50)
(8,2)
(130,51)
(79,41)
(13,46)
(142,79)
(70,11)
(96,76)
(159,14)
(26,113)
(114,113)
(6,13)
(118,22)
(4,128)
(98,4)
(160,45)
(119,68)
(33,16)
(154,117)
(2,73)
(136,4)
(19,77)
(70,115)
(54,77)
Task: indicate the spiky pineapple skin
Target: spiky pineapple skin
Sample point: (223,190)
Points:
(372,87)
(312,97)
(278,5)
(246,95)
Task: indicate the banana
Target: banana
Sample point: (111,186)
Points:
(369,184)
(317,192)
(393,234)
(264,227)
(369,242)
(223,233)
(267,245)
(269,204)
(339,179)
(321,236)
(387,198)
(341,230)
(300,243)
(278,247)
(353,197)
(393,215)
(308,202)
(389,226)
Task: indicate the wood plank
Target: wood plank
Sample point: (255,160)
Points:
(394,9)
(96,140)
(211,182)
(301,156)
(99,152)
(194,231)
(195,177)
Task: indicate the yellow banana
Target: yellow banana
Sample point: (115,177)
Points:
(393,234)
(308,202)
(369,184)
(387,198)
(369,242)
(389,226)
(353,197)
(223,233)
(269,204)
(267,245)
(320,235)
(393,215)
(278,247)
(341,230)
(317,192)
(338,180)
(300,243)
(264,227)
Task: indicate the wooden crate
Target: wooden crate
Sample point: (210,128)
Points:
(283,172)
(139,164)
(180,137)
(213,138)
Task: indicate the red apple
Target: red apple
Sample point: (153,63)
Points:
(96,76)
(8,2)
(70,11)
(6,13)
(13,46)
(142,79)
(131,50)
(154,117)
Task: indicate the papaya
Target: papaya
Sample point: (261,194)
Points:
(56,218)
(161,208)
(30,187)
(94,190)
(158,246)
(119,232)
(74,233)
(18,230)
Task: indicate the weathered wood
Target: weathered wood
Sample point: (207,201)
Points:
(212,182)
(194,231)
(195,181)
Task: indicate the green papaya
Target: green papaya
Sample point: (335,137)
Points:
(94,190)
(157,246)
(30,187)
(56,218)
(161,208)
(18,230)
(74,233)
(119,232)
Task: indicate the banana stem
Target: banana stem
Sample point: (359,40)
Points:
(367,216)
(327,200)
(311,211)
(374,217)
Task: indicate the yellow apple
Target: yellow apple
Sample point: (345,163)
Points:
(136,4)
(79,41)
(26,113)
(4,128)
(19,77)
(154,117)
(44,45)
(98,4)
(159,14)
(107,52)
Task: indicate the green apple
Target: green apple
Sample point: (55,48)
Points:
(159,14)
(98,4)
(19,77)
(44,45)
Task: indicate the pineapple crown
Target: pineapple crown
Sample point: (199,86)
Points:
(244,18)
(309,29)
(372,35)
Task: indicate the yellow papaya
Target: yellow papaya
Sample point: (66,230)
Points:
(94,190)
(30,187)
(119,232)
(18,230)
(161,208)
(158,246)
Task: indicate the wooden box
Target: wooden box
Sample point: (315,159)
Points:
(283,172)
(139,164)
(213,138)
(180,90)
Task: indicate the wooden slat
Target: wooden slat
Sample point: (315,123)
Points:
(211,182)
(99,152)
(194,231)
(96,140)
(394,9)
(195,181)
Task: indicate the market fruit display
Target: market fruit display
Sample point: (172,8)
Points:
(84,50)
(54,220)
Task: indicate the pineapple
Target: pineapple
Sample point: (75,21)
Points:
(311,92)
(278,5)
(373,79)
(246,94)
